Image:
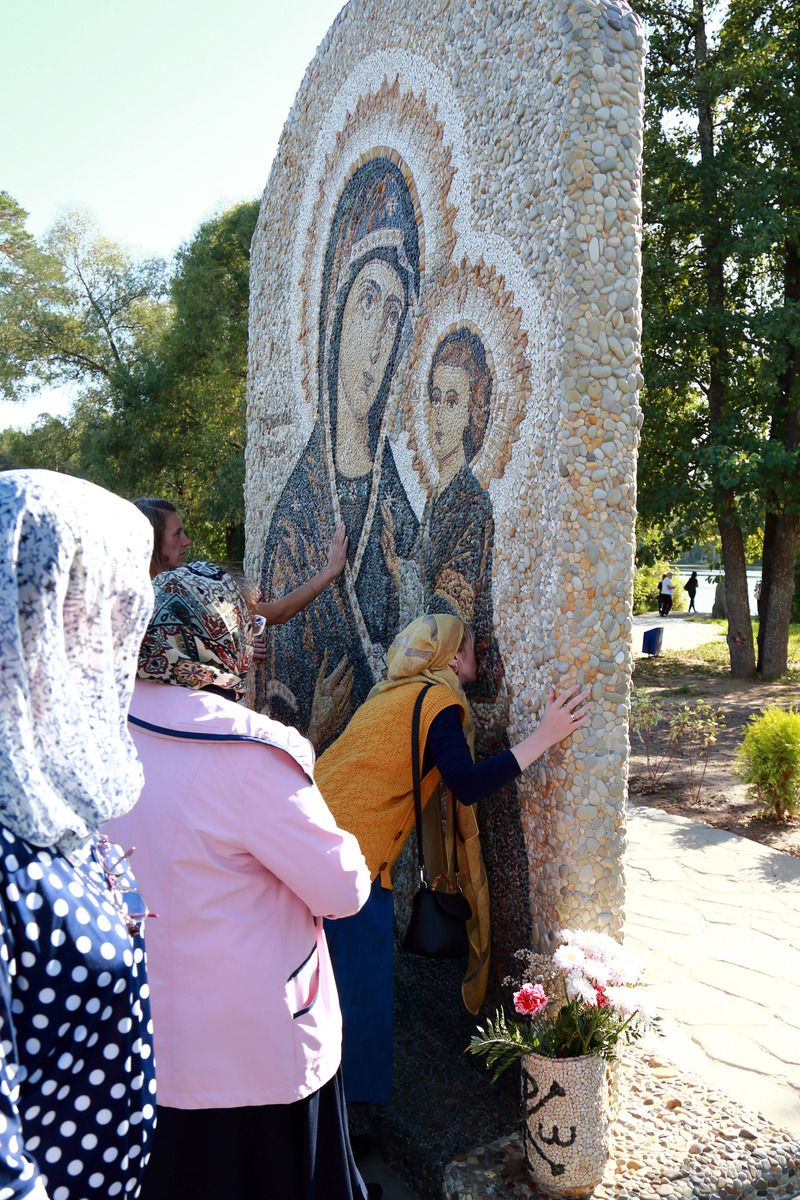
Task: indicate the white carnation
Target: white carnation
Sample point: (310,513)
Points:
(579,988)
(568,958)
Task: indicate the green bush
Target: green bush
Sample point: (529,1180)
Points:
(769,760)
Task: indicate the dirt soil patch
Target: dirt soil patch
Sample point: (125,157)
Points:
(723,800)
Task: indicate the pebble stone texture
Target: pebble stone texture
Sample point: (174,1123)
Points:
(469,170)
(566,1123)
(675,1139)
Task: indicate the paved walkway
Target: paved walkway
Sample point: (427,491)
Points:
(716,919)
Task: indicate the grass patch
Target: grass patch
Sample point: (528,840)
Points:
(709,660)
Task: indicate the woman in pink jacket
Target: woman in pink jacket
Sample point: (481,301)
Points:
(241,859)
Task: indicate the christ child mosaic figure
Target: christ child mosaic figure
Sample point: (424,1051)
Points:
(329,656)
(457,530)
(454,545)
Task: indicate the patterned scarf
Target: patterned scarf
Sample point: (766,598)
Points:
(74,601)
(201,631)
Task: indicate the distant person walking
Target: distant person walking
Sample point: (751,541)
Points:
(667,590)
(691,586)
(661,595)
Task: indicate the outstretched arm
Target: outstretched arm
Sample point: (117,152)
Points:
(279,611)
(470,781)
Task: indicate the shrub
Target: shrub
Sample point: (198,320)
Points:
(769,760)
(694,727)
(688,733)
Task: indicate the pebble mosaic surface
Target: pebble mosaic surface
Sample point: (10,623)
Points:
(566,1122)
(674,1139)
(445,354)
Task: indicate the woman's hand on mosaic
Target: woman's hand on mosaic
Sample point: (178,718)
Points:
(562,716)
(337,553)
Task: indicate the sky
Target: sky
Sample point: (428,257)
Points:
(153,116)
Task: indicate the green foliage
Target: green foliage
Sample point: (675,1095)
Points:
(76,308)
(645,719)
(769,760)
(687,732)
(645,588)
(694,729)
(502,1043)
(162,404)
(721,280)
(575,1030)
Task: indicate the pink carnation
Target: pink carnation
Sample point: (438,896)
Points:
(530,999)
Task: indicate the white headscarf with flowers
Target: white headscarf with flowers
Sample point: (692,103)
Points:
(75,597)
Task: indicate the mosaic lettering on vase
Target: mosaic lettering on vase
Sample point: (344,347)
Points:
(533,1104)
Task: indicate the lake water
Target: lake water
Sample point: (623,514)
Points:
(704,599)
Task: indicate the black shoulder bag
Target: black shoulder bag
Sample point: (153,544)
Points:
(438,925)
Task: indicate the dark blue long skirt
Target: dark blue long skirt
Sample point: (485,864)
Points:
(298,1151)
(361,952)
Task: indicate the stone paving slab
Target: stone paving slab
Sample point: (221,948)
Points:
(716,920)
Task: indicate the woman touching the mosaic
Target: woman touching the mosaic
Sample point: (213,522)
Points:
(170,543)
(77,1103)
(366,776)
(241,858)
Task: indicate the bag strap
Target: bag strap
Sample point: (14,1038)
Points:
(416,777)
(417,781)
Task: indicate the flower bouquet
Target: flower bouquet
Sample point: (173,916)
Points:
(577,1006)
(601,1002)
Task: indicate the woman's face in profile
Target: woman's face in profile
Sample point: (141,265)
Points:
(372,313)
(448,411)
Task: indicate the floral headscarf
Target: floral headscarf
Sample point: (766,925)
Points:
(200,634)
(75,596)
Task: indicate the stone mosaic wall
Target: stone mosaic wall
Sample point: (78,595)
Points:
(445,354)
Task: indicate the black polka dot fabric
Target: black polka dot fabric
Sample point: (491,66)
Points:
(77,1078)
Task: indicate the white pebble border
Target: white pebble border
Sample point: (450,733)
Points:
(674,1139)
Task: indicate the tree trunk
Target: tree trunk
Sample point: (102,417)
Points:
(780,547)
(740,629)
(781,527)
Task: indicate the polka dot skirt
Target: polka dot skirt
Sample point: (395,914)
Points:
(77,1079)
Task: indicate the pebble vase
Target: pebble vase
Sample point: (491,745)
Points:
(566,1123)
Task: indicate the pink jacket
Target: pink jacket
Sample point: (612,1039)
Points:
(239,855)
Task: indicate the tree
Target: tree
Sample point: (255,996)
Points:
(720,326)
(694,324)
(760,51)
(77,308)
(161,407)
(175,423)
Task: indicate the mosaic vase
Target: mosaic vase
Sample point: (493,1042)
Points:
(566,1123)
